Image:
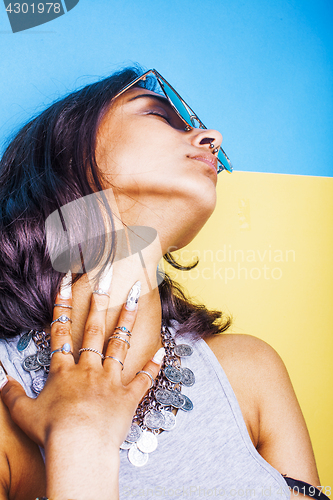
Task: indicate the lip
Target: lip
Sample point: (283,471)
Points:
(209,159)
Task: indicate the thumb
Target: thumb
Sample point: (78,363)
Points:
(17,402)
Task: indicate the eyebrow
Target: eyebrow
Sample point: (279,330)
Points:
(159,98)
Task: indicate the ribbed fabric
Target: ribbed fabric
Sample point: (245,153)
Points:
(208,454)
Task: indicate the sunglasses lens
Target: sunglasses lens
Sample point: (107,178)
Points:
(225,162)
(191,119)
(180,107)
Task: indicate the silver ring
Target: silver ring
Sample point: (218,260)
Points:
(62,305)
(101,292)
(123,329)
(149,375)
(116,359)
(91,350)
(64,349)
(120,338)
(62,319)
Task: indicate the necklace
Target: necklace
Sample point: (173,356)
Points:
(40,360)
(154,413)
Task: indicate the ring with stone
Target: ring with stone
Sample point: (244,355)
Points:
(62,319)
(123,329)
(65,349)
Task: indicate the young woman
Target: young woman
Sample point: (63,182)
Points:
(123,171)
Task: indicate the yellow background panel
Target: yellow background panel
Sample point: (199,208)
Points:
(266,258)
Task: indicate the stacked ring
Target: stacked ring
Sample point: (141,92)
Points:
(91,350)
(149,375)
(62,305)
(116,359)
(124,330)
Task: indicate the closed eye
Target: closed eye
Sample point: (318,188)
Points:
(166,118)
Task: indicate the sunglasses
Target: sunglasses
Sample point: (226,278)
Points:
(183,110)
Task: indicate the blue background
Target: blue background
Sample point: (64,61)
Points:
(260,71)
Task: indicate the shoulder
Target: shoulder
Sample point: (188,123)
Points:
(250,361)
(246,361)
(266,396)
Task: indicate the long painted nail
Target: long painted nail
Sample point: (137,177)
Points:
(159,355)
(66,286)
(133,296)
(106,278)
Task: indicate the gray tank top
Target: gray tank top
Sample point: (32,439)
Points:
(208,454)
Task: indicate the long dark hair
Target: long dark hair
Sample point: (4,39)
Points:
(50,163)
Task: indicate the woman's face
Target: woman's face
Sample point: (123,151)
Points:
(154,166)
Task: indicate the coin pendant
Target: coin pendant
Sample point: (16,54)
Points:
(170,420)
(44,357)
(183,350)
(147,442)
(134,433)
(188,377)
(30,363)
(163,396)
(137,457)
(38,384)
(153,419)
(125,445)
(178,399)
(188,406)
(172,374)
(24,341)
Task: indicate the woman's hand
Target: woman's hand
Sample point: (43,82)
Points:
(84,412)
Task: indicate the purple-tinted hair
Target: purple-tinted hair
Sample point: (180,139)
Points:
(49,163)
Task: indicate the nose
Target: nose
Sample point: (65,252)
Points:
(207,138)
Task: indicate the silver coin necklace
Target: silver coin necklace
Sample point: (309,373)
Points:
(39,361)
(154,413)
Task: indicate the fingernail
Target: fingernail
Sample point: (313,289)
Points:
(66,286)
(159,355)
(133,296)
(3,378)
(106,278)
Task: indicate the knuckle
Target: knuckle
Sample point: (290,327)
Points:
(128,316)
(59,329)
(117,343)
(94,330)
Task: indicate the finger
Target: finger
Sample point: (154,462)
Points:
(20,406)
(94,331)
(119,342)
(61,337)
(143,380)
